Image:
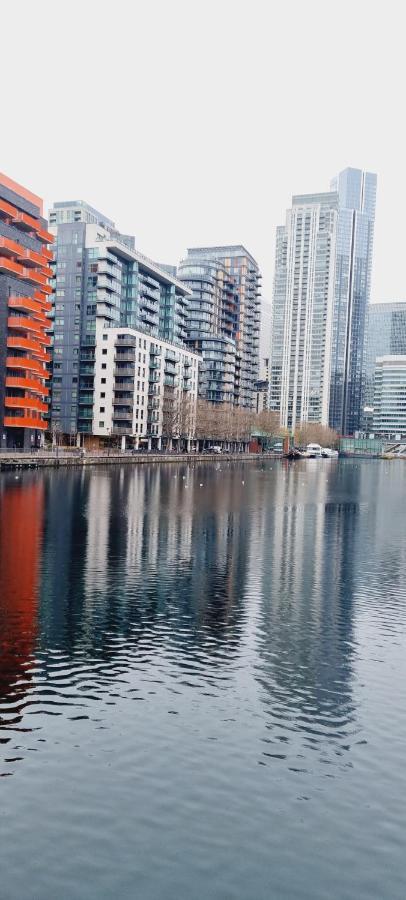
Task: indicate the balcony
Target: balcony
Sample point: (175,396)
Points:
(125,357)
(29,304)
(126,340)
(25,363)
(108,284)
(154,378)
(126,402)
(25,403)
(45,236)
(121,428)
(125,370)
(26,324)
(26,421)
(29,384)
(35,347)
(126,415)
(155,364)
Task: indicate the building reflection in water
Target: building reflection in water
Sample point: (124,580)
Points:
(306,541)
(135,549)
(21,527)
(194,569)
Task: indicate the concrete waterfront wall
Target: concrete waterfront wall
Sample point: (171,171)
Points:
(38,460)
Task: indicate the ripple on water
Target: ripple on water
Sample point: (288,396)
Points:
(201,690)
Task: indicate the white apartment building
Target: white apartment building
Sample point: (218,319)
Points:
(145,389)
(302,310)
(389,415)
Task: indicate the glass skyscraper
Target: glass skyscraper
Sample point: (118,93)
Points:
(356,194)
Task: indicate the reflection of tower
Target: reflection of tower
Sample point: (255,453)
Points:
(97,538)
(305,618)
(21,519)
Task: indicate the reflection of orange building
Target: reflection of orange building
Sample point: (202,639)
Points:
(25,274)
(21,517)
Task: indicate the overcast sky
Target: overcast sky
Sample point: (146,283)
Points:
(194,122)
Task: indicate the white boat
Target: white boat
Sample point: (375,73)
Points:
(313,451)
(329,453)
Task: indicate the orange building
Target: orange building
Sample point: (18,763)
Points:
(25,290)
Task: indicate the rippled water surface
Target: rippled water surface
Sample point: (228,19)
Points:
(203,682)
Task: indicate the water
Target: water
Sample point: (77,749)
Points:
(202,682)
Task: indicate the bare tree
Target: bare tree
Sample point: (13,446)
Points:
(309,433)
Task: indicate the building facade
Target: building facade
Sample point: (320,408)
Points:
(302,311)
(25,291)
(224,321)
(389,416)
(100,279)
(356,192)
(144,389)
(385,335)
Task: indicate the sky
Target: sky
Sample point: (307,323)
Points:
(191,123)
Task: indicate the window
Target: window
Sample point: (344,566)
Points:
(104,366)
(103,381)
(102,409)
(101,424)
(104,351)
(105,336)
(102,394)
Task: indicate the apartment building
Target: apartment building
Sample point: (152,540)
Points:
(100,279)
(389,412)
(25,290)
(144,390)
(224,320)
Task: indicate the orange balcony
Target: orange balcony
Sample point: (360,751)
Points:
(24,422)
(37,342)
(7,210)
(45,270)
(24,343)
(47,253)
(9,248)
(45,236)
(24,221)
(27,364)
(31,258)
(25,403)
(28,304)
(23,323)
(46,305)
(27,384)
(9,267)
(34,276)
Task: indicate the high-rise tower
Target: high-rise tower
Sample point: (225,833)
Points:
(302,310)
(356,196)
